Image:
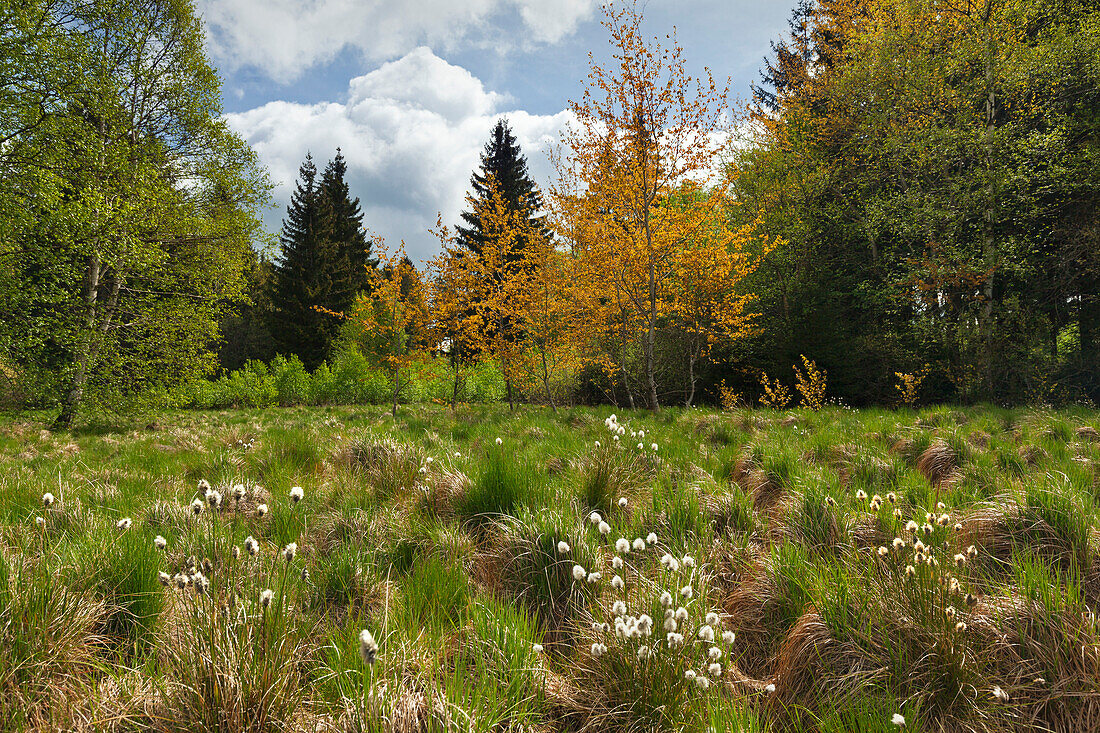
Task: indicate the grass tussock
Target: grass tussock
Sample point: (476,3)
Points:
(525,571)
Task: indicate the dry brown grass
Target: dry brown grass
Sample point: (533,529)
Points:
(937,461)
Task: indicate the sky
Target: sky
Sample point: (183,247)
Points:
(409,89)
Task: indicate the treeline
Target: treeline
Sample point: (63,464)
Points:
(905,211)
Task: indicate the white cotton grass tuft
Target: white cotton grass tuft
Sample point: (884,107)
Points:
(687,592)
(669,624)
(368,647)
(500,441)
(618,608)
(261,509)
(159,542)
(651,539)
(296,494)
(266,596)
(714,654)
(689,561)
(715,669)
(622,545)
(999,694)
(712,618)
(164,578)
(728,637)
(40,522)
(666,600)
(639,544)
(898,719)
(124,524)
(594,577)
(689,674)
(706,633)
(681,614)
(579,573)
(617,562)
(770,688)
(48,500)
(290,551)
(605,528)
(536,648)
(251,545)
(214,498)
(197,506)
(598,649)
(238,491)
(617,583)
(670,563)
(594,518)
(644,653)
(563,547)
(673,640)
(622,502)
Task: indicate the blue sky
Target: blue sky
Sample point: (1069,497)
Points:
(410,90)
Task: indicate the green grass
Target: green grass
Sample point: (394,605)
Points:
(458,553)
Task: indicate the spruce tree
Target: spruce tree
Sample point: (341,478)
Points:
(343,222)
(502,159)
(324,263)
(303,276)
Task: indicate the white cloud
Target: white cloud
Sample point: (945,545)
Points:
(281,38)
(411,132)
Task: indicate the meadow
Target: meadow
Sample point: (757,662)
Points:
(340,569)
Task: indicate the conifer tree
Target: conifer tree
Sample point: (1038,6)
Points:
(303,275)
(503,162)
(343,225)
(325,263)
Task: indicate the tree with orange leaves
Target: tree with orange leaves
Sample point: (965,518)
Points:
(392,317)
(645,130)
(501,300)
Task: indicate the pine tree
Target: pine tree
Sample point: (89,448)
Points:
(503,161)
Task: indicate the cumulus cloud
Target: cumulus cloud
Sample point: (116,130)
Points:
(411,132)
(281,38)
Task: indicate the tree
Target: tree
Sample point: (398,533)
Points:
(139,203)
(491,287)
(342,220)
(325,260)
(391,317)
(502,162)
(645,128)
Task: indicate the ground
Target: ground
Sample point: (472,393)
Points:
(690,570)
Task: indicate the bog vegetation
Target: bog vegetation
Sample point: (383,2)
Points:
(340,569)
(281,492)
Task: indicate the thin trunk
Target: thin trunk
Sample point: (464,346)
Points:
(508,388)
(454,392)
(622,360)
(97,321)
(546,380)
(693,354)
(396,387)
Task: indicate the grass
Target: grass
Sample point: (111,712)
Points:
(499,603)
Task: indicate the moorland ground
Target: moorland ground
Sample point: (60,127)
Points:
(689,570)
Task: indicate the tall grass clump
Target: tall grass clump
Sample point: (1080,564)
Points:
(501,485)
(49,643)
